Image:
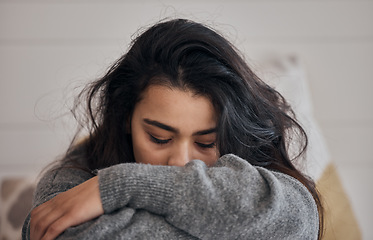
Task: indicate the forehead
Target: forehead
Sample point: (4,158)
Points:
(176,107)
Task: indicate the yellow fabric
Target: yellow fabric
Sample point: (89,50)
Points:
(339,220)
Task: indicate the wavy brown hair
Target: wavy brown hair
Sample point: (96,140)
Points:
(255,121)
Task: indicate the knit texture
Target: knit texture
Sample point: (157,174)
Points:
(232,200)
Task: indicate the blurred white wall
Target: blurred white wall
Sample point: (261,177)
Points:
(48,48)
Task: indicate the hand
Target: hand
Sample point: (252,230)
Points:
(73,207)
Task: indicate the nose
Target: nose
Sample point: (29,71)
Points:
(180,155)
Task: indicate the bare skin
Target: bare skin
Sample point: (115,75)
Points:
(172,127)
(73,207)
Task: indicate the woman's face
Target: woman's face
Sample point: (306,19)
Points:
(172,127)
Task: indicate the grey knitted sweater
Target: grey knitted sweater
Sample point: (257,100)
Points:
(232,200)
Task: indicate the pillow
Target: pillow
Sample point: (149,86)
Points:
(15,204)
(286,75)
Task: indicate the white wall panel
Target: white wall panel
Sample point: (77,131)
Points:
(31,146)
(37,81)
(350,144)
(340,76)
(355,179)
(256,19)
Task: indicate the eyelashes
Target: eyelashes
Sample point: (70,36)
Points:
(165,141)
(159,141)
(202,145)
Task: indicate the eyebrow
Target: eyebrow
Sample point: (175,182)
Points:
(174,130)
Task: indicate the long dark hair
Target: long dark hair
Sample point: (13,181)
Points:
(255,122)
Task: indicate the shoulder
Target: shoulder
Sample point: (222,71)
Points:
(62,175)
(292,205)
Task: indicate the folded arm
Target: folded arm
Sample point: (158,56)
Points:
(231,200)
(124,223)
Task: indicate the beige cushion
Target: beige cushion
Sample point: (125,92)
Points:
(340,222)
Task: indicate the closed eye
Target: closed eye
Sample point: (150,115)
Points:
(202,145)
(159,141)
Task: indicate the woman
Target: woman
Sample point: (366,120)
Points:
(185,143)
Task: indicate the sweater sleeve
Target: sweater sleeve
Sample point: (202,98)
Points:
(232,200)
(125,223)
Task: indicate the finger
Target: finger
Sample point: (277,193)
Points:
(37,225)
(42,219)
(58,227)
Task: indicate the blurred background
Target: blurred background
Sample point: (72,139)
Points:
(49,49)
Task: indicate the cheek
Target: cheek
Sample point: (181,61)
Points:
(210,158)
